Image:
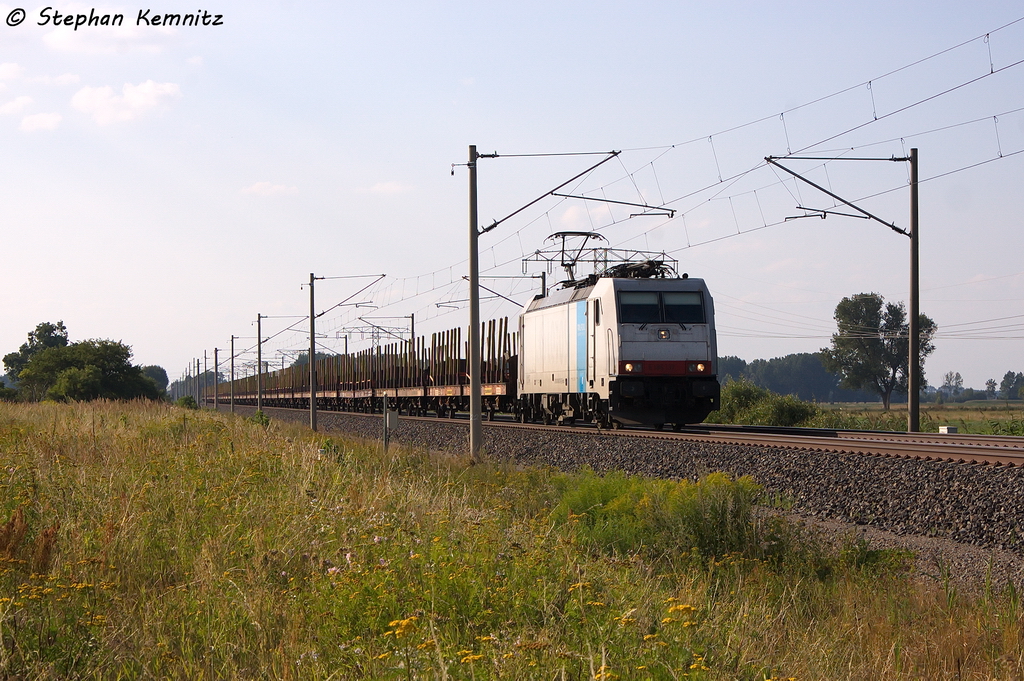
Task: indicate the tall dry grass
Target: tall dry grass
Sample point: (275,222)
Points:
(146,541)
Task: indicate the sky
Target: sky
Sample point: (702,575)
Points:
(164,185)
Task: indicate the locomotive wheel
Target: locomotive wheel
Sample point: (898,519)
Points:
(676,427)
(616,425)
(659,426)
(546,419)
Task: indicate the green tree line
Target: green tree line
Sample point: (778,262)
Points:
(48,366)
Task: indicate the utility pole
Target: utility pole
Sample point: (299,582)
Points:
(475,401)
(199,391)
(216,383)
(206,377)
(913,389)
(312,357)
(259,362)
(232,374)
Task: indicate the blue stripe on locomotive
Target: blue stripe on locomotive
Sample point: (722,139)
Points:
(581,346)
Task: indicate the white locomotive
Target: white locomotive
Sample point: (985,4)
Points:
(630,347)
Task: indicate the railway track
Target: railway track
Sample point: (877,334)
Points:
(990,450)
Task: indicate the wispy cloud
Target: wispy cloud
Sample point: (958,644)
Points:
(10,71)
(16,105)
(105,107)
(270,189)
(40,121)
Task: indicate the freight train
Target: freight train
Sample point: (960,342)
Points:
(632,346)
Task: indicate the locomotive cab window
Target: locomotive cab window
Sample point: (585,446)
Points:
(665,307)
(683,307)
(597,313)
(639,307)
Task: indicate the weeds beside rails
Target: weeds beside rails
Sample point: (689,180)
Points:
(149,541)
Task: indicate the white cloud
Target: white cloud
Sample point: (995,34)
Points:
(387,188)
(15,105)
(270,189)
(40,121)
(105,107)
(9,71)
(195,61)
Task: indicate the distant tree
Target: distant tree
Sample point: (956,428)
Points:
(730,368)
(1009,386)
(990,389)
(85,371)
(802,374)
(953,384)
(46,335)
(303,358)
(871,347)
(158,374)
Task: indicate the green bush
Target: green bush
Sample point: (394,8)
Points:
(188,402)
(625,514)
(748,404)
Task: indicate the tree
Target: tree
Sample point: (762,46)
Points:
(303,358)
(730,367)
(85,371)
(952,384)
(871,347)
(990,389)
(1009,387)
(46,335)
(158,374)
(802,374)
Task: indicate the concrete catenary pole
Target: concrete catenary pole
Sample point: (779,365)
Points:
(216,383)
(312,357)
(259,362)
(913,389)
(475,400)
(232,398)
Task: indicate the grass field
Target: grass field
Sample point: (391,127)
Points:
(993,417)
(146,541)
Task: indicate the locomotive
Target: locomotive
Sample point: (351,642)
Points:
(630,346)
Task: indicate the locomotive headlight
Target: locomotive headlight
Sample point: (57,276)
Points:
(664,334)
(701,367)
(634,367)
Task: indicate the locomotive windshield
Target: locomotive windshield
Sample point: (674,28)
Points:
(659,307)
